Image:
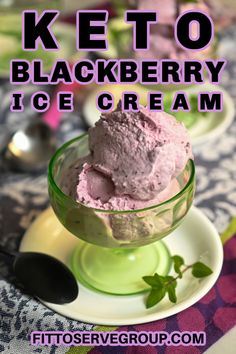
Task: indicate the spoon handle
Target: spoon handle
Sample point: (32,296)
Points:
(7,253)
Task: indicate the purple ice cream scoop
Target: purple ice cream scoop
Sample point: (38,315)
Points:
(134,160)
(140,152)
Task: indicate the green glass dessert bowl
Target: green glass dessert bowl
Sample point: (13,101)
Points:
(117,248)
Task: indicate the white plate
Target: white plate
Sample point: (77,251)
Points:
(195,239)
(202,131)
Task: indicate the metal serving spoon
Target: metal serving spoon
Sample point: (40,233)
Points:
(44,276)
(31,147)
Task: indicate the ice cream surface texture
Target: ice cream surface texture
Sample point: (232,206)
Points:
(134,160)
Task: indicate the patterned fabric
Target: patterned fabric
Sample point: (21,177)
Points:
(24,196)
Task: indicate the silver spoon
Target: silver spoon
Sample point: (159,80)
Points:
(31,147)
(44,276)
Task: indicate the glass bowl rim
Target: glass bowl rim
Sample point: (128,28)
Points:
(56,189)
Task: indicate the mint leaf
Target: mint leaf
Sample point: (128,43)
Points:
(155,296)
(159,279)
(171,292)
(156,281)
(200,270)
(178,262)
(150,280)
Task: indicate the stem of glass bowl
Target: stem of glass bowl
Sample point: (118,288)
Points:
(119,271)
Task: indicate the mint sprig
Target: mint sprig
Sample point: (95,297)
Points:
(166,285)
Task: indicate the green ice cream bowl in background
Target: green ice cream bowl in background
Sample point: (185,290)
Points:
(120,246)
